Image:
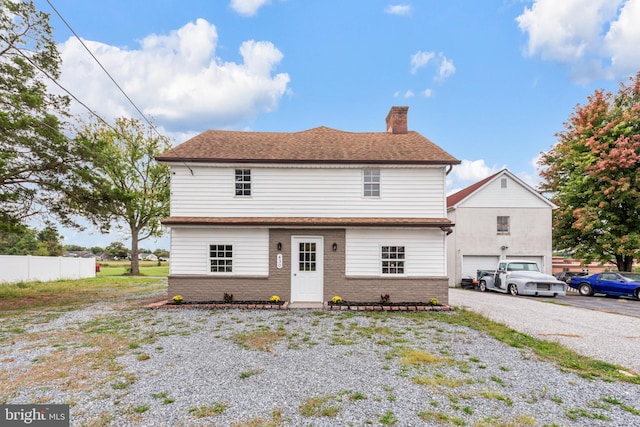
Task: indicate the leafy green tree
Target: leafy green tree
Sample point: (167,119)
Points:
(593,176)
(161,253)
(130,188)
(36,159)
(117,249)
(49,243)
(22,241)
(96,250)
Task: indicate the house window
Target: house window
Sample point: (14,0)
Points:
(503,183)
(243,182)
(503,225)
(372,183)
(221,258)
(307,257)
(392,259)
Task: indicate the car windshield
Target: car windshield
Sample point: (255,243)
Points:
(631,277)
(522,266)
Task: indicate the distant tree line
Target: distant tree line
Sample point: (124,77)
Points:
(47,242)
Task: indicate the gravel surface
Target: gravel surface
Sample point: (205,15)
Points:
(610,337)
(299,368)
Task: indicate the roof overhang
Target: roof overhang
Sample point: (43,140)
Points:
(443,223)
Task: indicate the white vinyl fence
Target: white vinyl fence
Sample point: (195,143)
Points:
(28,268)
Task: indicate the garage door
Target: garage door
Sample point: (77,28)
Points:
(472,263)
(536,259)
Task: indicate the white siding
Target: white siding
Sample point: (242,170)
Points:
(190,250)
(513,196)
(307,192)
(424,251)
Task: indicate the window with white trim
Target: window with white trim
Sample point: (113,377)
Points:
(243,182)
(371,183)
(393,259)
(221,258)
(503,225)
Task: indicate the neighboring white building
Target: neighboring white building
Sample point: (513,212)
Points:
(309,215)
(498,217)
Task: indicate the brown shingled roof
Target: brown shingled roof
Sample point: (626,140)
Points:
(318,145)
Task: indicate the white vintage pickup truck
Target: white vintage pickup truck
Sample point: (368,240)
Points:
(519,277)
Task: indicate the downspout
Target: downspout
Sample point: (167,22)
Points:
(450,169)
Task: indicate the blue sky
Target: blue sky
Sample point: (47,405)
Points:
(490,81)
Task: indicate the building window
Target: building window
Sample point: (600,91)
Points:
(503,183)
(393,260)
(372,183)
(243,182)
(307,257)
(221,258)
(503,225)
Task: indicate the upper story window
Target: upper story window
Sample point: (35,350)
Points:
(503,183)
(372,183)
(243,182)
(503,225)
(392,258)
(221,258)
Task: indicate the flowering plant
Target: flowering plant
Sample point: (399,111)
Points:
(433,301)
(336,300)
(385,299)
(274,298)
(228,298)
(177,299)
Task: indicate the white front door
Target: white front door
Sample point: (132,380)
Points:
(307,269)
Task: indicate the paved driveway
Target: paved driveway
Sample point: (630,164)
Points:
(623,305)
(613,338)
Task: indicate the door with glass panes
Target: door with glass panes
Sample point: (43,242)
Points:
(307,269)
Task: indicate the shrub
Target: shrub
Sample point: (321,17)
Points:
(228,298)
(336,300)
(177,299)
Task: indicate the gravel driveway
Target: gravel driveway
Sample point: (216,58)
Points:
(311,368)
(613,338)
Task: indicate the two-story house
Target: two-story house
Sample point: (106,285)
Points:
(499,217)
(309,215)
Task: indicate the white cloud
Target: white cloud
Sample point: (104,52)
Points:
(248,7)
(595,38)
(177,79)
(409,94)
(623,39)
(420,59)
(398,9)
(427,93)
(472,171)
(447,69)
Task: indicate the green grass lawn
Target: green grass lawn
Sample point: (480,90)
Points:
(121,268)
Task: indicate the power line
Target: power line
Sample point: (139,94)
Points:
(103,69)
(113,80)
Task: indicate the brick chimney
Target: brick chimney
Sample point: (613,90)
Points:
(397,120)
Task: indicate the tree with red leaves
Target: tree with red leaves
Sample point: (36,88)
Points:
(592,174)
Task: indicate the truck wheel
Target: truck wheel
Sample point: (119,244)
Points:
(585,289)
(513,289)
(482,286)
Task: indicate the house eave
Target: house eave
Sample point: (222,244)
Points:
(305,161)
(443,223)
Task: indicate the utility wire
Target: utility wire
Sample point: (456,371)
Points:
(58,84)
(113,80)
(103,69)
